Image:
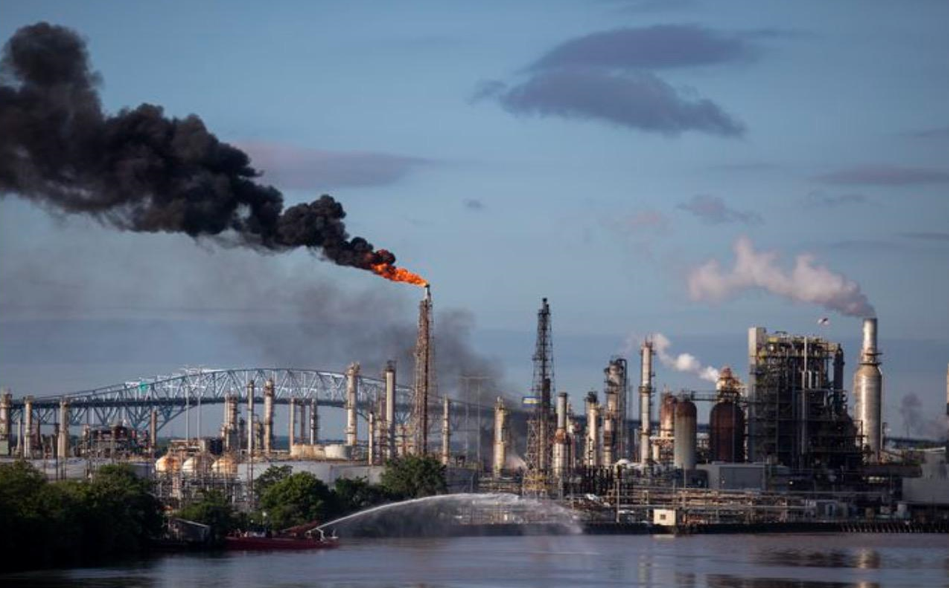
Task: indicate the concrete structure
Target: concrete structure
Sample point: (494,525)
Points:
(268,417)
(868,392)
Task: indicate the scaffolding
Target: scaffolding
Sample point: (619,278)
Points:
(539,431)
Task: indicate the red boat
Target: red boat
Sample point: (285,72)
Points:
(305,537)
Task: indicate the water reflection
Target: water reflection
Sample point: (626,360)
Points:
(737,581)
(863,558)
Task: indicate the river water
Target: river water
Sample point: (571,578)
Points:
(763,560)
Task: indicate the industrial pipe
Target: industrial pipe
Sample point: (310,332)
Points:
(500,437)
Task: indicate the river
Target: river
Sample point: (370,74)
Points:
(772,560)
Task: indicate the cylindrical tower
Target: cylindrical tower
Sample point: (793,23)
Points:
(645,402)
(27,442)
(390,409)
(500,437)
(6,428)
(560,437)
(727,432)
(291,423)
(685,428)
(352,392)
(314,421)
(667,415)
(446,431)
(593,431)
(868,392)
(268,417)
(250,418)
(62,450)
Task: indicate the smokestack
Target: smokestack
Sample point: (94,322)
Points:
(250,419)
(593,431)
(268,417)
(868,391)
(352,391)
(645,402)
(390,410)
(446,431)
(500,437)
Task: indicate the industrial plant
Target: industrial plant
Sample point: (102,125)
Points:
(785,443)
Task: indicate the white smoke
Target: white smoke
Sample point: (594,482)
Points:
(806,283)
(681,362)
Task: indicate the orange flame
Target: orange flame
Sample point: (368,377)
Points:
(396,274)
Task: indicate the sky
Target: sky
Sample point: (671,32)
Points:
(599,154)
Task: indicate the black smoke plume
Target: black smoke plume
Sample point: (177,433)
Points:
(139,170)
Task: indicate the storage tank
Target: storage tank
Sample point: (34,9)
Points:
(337,452)
(685,424)
(225,466)
(197,464)
(667,415)
(167,464)
(727,432)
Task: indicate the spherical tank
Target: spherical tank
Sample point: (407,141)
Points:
(667,415)
(727,433)
(167,464)
(685,424)
(225,466)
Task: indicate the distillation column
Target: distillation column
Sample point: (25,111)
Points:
(371,448)
(292,429)
(6,400)
(868,391)
(352,392)
(28,427)
(500,437)
(153,431)
(609,425)
(645,403)
(446,431)
(268,417)
(62,450)
(390,410)
(593,431)
(250,419)
(560,438)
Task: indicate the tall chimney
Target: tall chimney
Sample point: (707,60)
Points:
(868,392)
(268,417)
(314,421)
(645,402)
(62,451)
(28,428)
(560,438)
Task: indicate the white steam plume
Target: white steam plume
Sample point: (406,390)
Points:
(808,282)
(681,362)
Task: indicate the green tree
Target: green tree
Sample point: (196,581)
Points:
(212,509)
(271,476)
(354,495)
(410,477)
(297,499)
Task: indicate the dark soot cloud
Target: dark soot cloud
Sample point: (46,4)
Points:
(140,170)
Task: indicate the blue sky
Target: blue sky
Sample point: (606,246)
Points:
(594,153)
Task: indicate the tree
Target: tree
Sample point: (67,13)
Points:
(212,509)
(411,477)
(354,495)
(272,475)
(297,499)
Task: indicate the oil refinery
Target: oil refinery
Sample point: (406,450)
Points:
(787,445)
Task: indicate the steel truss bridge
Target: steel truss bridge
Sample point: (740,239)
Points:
(131,403)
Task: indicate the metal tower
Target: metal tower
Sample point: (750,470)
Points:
(539,431)
(424,374)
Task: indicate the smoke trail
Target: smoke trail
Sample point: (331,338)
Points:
(806,283)
(139,170)
(681,362)
(915,423)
